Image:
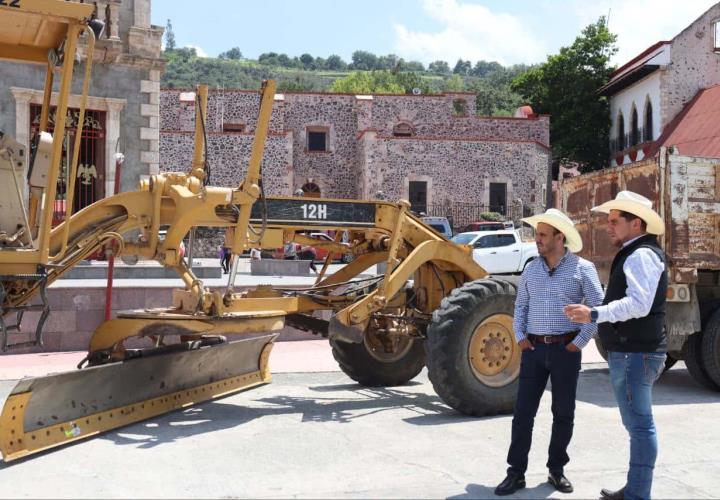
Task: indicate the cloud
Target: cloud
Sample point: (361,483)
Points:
(469,31)
(641,23)
(198,50)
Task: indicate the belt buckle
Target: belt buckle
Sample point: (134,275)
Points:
(547,339)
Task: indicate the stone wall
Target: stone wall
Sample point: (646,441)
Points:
(694,65)
(334,170)
(443,144)
(432,116)
(467,167)
(228,155)
(234,107)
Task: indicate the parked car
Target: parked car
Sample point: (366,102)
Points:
(489,226)
(320,253)
(439,224)
(498,252)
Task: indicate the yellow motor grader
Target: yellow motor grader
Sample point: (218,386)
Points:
(433,306)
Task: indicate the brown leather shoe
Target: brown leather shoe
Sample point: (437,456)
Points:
(510,484)
(612,495)
(560,482)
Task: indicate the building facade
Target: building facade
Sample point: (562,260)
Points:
(426,148)
(122,107)
(649,91)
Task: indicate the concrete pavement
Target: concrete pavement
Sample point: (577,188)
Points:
(320,435)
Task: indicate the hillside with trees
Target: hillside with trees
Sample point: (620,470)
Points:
(364,73)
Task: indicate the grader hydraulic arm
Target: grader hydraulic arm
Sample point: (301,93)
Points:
(433,305)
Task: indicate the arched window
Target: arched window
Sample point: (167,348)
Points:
(648,131)
(620,132)
(311,190)
(403,130)
(634,132)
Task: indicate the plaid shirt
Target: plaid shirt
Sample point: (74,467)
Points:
(542,294)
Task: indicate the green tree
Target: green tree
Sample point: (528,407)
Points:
(169,36)
(454,83)
(233,54)
(336,63)
(268,58)
(362,60)
(462,67)
(565,87)
(439,67)
(307,61)
(379,82)
(413,66)
(484,68)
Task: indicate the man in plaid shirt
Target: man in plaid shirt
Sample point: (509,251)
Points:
(551,344)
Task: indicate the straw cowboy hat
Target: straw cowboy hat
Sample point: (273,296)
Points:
(562,223)
(635,204)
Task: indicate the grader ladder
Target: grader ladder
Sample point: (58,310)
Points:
(434,306)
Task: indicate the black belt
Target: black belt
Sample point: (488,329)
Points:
(555,338)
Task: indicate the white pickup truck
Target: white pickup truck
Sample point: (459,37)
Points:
(499,252)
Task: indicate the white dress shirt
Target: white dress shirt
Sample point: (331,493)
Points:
(642,269)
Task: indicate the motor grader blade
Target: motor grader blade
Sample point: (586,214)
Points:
(50,411)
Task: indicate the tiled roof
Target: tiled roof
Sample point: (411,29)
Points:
(695,130)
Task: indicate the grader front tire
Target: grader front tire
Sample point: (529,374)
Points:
(472,358)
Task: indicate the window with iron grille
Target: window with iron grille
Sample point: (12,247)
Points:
(90,176)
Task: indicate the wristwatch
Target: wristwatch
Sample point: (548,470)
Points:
(593,315)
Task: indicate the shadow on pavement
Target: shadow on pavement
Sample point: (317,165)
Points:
(351,402)
(542,490)
(675,387)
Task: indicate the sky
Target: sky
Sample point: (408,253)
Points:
(507,31)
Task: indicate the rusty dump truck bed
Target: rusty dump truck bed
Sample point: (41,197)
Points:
(685,191)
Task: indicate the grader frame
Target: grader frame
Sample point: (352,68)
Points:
(433,297)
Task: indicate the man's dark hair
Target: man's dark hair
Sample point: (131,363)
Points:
(556,231)
(631,217)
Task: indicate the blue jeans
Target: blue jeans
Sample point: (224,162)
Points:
(632,375)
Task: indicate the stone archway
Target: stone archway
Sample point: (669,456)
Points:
(311,190)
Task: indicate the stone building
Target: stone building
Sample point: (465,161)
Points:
(426,148)
(651,90)
(123,111)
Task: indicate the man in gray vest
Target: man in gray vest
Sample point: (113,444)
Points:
(631,327)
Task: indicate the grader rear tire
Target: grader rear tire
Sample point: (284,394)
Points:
(368,364)
(472,358)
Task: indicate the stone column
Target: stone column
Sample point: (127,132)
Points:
(141,11)
(22,114)
(151,133)
(112,133)
(114,33)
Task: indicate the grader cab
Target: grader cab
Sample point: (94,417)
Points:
(433,307)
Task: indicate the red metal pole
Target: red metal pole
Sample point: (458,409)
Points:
(111,259)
